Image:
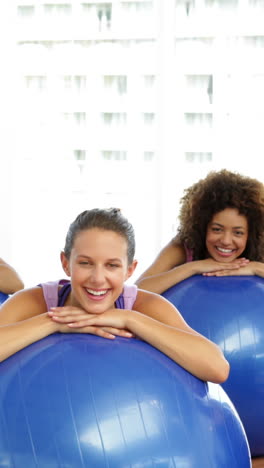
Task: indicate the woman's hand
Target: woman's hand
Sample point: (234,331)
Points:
(246,269)
(75,320)
(110,318)
(209,266)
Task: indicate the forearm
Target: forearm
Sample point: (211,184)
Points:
(192,351)
(162,281)
(17,336)
(259,269)
(10,282)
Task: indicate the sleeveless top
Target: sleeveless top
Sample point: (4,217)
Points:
(188,253)
(55,296)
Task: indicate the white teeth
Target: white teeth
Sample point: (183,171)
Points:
(224,250)
(96,293)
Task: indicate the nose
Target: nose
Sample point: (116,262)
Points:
(226,238)
(97,275)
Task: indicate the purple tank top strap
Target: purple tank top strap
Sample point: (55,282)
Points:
(130,295)
(120,303)
(127,298)
(64,293)
(189,254)
(51,292)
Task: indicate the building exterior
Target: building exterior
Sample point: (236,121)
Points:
(125,103)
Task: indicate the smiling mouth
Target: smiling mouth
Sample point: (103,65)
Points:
(225,251)
(93,292)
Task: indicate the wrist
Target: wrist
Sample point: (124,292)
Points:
(258,268)
(126,317)
(52,327)
(130,319)
(193,268)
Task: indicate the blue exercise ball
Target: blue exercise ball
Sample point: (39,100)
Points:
(229,311)
(3,297)
(78,400)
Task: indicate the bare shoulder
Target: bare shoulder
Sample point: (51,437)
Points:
(148,298)
(23,305)
(159,308)
(3,262)
(174,248)
(172,255)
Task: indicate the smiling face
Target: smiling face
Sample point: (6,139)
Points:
(227,235)
(98,266)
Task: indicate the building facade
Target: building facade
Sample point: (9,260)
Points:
(125,103)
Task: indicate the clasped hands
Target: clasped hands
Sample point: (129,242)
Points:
(108,324)
(238,267)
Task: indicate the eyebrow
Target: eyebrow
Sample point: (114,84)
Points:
(91,258)
(233,227)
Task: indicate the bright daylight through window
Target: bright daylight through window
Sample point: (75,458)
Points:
(121,103)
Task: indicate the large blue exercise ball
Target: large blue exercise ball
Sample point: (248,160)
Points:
(81,401)
(3,297)
(230,311)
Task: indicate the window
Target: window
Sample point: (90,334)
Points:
(148,155)
(254,41)
(57,9)
(149,81)
(199,120)
(104,12)
(186,4)
(80,155)
(148,118)
(26,11)
(79,82)
(140,91)
(79,117)
(200,86)
(137,6)
(223,4)
(76,82)
(116,82)
(36,82)
(114,155)
(198,157)
(67,82)
(114,118)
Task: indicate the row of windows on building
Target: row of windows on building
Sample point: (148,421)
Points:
(119,84)
(191,119)
(81,156)
(101,10)
(101,16)
(104,10)
(196,120)
(109,118)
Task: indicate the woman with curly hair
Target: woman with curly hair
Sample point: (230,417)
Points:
(220,233)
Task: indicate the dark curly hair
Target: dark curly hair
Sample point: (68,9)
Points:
(214,193)
(110,219)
